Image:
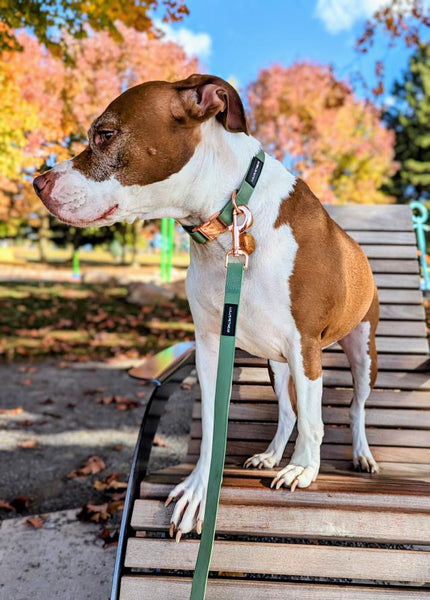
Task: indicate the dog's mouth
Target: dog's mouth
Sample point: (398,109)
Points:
(106,214)
(81,223)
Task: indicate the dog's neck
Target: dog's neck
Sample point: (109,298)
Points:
(218,166)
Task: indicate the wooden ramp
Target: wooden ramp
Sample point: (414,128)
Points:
(348,536)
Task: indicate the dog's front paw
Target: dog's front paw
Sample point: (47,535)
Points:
(293,476)
(190,497)
(265,460)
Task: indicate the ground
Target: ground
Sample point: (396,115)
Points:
(66,398)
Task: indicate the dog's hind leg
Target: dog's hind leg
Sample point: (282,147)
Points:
(284,389)
(360,348)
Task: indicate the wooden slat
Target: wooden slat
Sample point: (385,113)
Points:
(380,265)
(375,417)
(341,378)
(398,345)
(338,360)
(333,434)
(411,282)
(406,312)
(291,559)
(135,587)
(305,522)
(388,238)
(402,328)
(328,451)
(402,489)
(372,217)
(400,296)
(392,252)
(332,396)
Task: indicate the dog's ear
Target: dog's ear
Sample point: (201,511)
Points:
(204,96)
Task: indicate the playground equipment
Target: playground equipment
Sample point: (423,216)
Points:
(420,219)
(167,244)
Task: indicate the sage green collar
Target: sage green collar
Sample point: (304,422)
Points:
(243,195)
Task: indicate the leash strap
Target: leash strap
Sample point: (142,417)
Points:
(222,403)
(235,268)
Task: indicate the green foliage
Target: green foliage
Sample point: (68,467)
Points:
(410,119)
(49,19)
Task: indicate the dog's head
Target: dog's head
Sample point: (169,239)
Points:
(143,137)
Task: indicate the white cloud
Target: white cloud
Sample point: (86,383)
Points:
(341,15)
(194,44)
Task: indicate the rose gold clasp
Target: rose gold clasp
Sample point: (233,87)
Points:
(237,228)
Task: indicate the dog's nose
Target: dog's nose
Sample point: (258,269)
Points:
(43,185)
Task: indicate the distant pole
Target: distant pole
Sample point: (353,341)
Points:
(420,227)
(75,264)
(167,243)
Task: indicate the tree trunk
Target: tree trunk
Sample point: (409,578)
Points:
(137,228)
(44,238)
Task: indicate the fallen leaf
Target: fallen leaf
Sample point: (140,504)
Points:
(110,483)
(94,512)
(11,412)
(28,444)
(109,536)
(36,522)
(21,503)
(118,447)
(157,441)
(27,381)
(93,465)
(6,506)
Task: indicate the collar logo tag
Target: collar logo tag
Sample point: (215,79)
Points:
(254,171)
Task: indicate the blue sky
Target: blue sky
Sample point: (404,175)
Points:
(237,38)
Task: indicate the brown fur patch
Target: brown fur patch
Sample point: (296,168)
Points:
(373,317)
(157,128)
(332,285)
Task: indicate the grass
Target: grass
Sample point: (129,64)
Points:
(84,322)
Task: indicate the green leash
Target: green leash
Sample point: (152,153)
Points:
(223,387)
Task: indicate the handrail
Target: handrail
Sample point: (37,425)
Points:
(159,367)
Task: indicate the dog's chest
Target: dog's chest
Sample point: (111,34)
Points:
(265,324)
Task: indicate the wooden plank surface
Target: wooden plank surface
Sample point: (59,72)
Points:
(289,559)
(332,396)
(245,448)
(380,265)
(405,312)
(135,587)
(391,252)
(387,238)
(372,217)
(395,281)
(333,433)
(400,296)
(397,345)
(338,360)
(341,378)
(306,522)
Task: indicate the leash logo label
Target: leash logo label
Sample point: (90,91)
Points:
(254,171)
(229,320)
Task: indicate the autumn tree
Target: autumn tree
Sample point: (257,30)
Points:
(401,22)
(313,122)
(49,20)
(61,101)
(409,117)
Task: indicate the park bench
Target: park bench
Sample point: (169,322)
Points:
(350,535)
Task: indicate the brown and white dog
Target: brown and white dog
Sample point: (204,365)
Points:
(179,150)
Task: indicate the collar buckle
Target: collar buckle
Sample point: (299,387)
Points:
(211,228)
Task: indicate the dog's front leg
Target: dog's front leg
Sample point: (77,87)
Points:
(191,493)
(307,375)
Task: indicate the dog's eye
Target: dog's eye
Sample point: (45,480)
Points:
(104,135)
